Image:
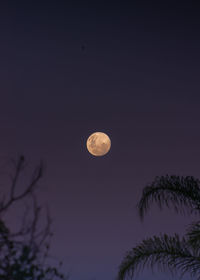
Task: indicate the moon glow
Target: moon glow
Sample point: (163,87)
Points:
(98,144)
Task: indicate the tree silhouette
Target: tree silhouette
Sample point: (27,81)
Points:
(24,253)
(178,254)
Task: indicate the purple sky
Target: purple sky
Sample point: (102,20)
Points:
(136,79)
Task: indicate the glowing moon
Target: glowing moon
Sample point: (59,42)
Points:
(98,144)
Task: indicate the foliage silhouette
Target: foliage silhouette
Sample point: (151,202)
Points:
(168,252)
(24,254)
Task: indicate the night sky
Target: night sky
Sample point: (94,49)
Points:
(129,70)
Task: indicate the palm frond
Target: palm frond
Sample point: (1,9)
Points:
(193,235)
(165,252)
(180,192)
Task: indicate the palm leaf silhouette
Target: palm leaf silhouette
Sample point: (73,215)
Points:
(179,192)
(193,235)
(172,252)
(165,252)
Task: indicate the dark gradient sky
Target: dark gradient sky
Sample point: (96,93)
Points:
(137,79)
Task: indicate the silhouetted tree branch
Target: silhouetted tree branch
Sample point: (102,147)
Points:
(13,197)
(24,254)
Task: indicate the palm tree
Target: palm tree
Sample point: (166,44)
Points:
(178,254)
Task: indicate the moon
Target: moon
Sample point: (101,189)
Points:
(98,144)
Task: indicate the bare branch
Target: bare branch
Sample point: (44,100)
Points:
(37,175)
(24,254)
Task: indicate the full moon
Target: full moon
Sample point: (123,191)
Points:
(98,144)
